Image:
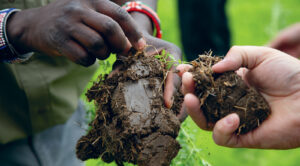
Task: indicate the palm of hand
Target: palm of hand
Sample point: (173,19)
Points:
(281,95)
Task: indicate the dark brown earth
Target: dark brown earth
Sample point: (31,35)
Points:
(222,94)
(132,124)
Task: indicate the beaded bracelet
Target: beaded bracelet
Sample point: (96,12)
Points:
(138,6)
(7,52)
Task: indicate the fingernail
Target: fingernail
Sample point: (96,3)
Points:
(222,61)
(229,120)
(219,64)
(170,103)
(141,44)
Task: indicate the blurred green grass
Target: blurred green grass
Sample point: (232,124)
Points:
(252,22)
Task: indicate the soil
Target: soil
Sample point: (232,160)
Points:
(222,94)
(132,124)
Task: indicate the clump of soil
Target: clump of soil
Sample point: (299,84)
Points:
(132,124)
(222,94)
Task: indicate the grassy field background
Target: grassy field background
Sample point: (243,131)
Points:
(252,22)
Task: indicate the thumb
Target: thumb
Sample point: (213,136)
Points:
(242,56)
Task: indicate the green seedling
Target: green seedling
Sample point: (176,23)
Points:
(105,66)
(168,59)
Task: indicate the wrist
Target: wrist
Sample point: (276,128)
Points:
(145,16)
(8,53)
(144,23)
(15,31)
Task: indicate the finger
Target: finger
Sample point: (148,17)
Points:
(77,54)
(242,56)
(169,89)
(172,85)
(297,52)
(287,38)
(192,105)
(223,132)
(127,23)
(114,71)
(188,84)
(182,68)
(91,41)
(182,114)
(109,29)
(279,42)
(241,71)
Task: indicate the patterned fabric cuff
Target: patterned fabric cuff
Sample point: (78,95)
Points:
(7,52)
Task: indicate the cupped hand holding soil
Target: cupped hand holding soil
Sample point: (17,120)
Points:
(276,76)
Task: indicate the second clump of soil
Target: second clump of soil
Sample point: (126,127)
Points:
(222,94)
(132,124)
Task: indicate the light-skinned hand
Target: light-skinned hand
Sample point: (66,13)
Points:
(276,76)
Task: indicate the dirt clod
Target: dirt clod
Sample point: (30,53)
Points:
(132,124)
(222,94)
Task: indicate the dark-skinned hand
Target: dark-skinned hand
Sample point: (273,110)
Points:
(80,30)
(155,46)
(172,82)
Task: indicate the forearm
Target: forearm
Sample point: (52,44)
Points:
(144,22)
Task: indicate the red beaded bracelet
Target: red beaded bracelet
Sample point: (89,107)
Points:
(137,6)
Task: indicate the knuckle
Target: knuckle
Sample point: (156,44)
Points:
(69,29)
(238,54)
(121,14)
(98,2)
(81,57)
(110,27)
(87,64)
(251,140)
(104,55)
(85,60)
(65,25)
(121,47)
(73,8)
(56,37)
(97,44)
(118,50)
(241,54)
(234,49)
(216,139)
